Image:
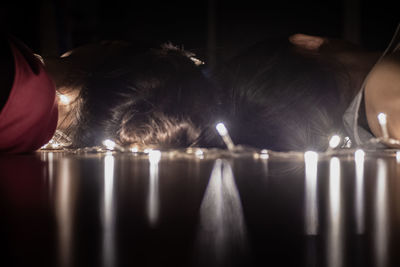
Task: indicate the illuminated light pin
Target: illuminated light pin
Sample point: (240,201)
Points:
(334,141)
(134,149)
(147,150)
(64,99)
(109,144)
(223,132)
(382,118)
(264,154)
(199,153)
(398,156)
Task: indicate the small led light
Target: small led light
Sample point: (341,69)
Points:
(199,153)
(109,144)
(134,149)
(334,141)
(382,118)
(221,129)
(147,150)
(398,156)
(55,145)
(154,156)
(264,154)
(64,99)
(223,132)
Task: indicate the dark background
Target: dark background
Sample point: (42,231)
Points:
(213,29)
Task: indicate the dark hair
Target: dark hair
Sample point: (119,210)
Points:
(280,97)
(152,97)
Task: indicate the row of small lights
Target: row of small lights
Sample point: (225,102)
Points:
(334,141)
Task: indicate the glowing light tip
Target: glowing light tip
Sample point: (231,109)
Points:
(64,99)
(334,141)
(154,156)
(147,150)
(109,144)
(221,129)
(199,153)
(310,156)
(398,156)
(264,154)
(382,118)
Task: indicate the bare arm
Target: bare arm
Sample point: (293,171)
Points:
(382,94)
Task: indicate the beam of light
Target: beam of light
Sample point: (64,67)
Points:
(153,201)
(222,227)
(64,211)
(334,142)
(381,220)
(311,197)
(359,194)
(335,231)
(108,254)
(223,132)
(382,119)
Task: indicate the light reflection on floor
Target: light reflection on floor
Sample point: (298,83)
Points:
(65,199)
(222,229)
(153,195)
(335,220)
(108,252)
(359,156)
(311,193)
(381,221)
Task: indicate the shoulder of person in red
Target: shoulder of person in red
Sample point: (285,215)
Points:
(29,116)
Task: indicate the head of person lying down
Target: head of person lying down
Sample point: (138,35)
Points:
(290,92)
(136,95)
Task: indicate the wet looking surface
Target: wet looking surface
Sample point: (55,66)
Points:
(123,209)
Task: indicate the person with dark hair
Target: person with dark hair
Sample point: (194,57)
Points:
(294,93)
(134,94)
(139,97)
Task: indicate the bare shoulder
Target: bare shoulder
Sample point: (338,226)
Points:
(382,94)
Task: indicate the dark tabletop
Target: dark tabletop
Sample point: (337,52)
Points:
(127,209)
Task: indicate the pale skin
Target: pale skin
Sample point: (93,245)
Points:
(382,94)
(382,79)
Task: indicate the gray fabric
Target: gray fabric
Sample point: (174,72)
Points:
(360,136)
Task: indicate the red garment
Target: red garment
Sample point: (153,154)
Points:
(28,120)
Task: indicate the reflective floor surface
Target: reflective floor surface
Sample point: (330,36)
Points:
(123,209)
